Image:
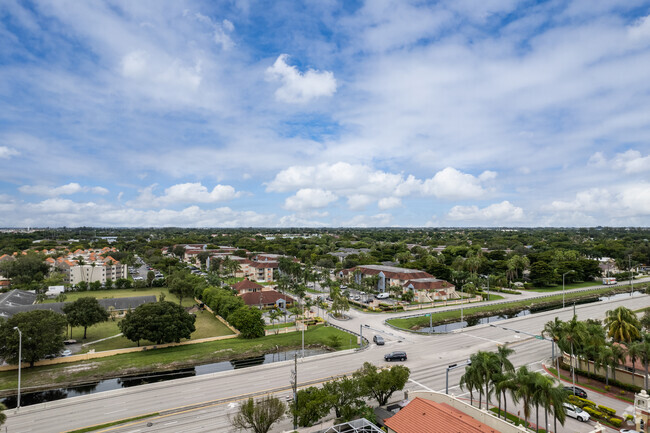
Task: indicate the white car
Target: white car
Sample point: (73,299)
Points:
(66,352)
(575,412)
(384,295)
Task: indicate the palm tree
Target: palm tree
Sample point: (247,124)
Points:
(573,335)
(553,329)
(557,397)
(470,381)
(487,366)
(274,315)
(644,352)
(618,356)
(634,353)
(605,359)
(525,390)
(503,351)
(622,325)
(503,383)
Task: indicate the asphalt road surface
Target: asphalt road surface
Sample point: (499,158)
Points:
(202,404)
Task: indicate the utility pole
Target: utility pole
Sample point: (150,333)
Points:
(629,269)
(294,385)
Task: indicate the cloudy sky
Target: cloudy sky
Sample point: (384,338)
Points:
(324,113)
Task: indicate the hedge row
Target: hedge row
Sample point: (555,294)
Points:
(614,382)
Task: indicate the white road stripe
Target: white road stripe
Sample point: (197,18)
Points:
(419,384)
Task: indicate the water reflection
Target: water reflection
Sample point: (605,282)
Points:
(30,398)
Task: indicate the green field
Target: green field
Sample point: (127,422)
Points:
(170,358)
(566,287)
(126,293)
(206,326)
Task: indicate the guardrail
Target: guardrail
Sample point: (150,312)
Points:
(366,341)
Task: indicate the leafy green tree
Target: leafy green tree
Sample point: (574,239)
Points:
(346,397)
(645,321)
(542,274)
(381,384)
(248,321)
(43,333)
(183,284)
(274,315)
(158,322)
(622,325)
(85,312)
(3,416)
(151,275)
(311,405)
(25,271)
(259,416)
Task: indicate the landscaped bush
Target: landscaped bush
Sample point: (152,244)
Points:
(609,411)
(593,412)
(616,422)
(629,417)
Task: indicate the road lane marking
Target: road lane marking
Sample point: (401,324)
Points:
(419,384)
(483,338)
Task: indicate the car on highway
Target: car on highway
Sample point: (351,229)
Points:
(575,412)
(378,339)
(395,356)
(579,392)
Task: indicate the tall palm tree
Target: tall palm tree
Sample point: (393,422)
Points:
(525,390)
(618,356)
(622,325)
(573,335)
(557,397)
(487,366)
(634,353)
(644,351)
(505,366)
(553,329)
(470,381)
(504,383)
(605,359)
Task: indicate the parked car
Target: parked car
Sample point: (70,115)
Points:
(395,356)
(575,412)
(626,430)
(378,339)
(66,352)
(579,392)
(384,295)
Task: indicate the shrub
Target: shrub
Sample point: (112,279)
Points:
(616,422)
(623,392)
(586,402)
(608,410)
(629,417)
(607,387)
(593,412)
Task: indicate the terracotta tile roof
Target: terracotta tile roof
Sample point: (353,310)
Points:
(246,284)
(425,416)
(428,284)
(266,297)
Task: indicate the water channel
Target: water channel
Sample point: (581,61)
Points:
(449,327)
(30,398)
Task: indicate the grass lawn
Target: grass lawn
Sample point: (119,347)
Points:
(566,287)
(206,326)
(126,293)
(411,322)
(170,358)
(280,325)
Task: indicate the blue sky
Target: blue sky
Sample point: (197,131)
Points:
(324,113)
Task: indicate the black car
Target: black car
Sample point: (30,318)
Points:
(378,339)
(579,392)
(395,356)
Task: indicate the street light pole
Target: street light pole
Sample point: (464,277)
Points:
(629,270)
(452,367)
(20,362)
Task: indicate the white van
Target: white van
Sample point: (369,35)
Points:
(384,295)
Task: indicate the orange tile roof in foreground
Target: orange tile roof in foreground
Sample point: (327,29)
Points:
(425,416)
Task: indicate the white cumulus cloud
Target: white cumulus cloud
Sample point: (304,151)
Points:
(389,203)
(184,193)
(68,189)
(309,198)
(494,214)
(630,161)
(452,184)
(298,87)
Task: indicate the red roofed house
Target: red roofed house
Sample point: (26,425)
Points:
(430,289)
(267,298)
(247,286)
(388,275)
(432,412)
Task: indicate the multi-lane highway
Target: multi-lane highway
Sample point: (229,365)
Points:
(201,403)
